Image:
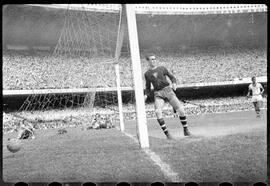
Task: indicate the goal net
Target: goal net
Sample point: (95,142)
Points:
(80,72)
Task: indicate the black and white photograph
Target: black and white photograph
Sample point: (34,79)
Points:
(134,93)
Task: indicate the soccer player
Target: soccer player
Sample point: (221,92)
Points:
(26,130)
(94,124)
(256,89)
(156,75)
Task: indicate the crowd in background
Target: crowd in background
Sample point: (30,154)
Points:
(40,70)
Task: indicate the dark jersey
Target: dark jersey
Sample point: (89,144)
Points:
(158,79)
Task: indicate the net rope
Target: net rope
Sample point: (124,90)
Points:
(82,58)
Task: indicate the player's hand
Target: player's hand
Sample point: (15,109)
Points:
(145,97)
(174,86)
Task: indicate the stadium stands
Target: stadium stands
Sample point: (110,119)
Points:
(25,70)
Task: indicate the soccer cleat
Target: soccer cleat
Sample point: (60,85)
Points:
(169,136)
(186,132)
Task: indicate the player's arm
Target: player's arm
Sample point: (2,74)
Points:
(147,87)
(172,78)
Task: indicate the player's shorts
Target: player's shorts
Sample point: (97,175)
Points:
(166,93)
(256,98)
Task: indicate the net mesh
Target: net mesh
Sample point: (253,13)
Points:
(81,66)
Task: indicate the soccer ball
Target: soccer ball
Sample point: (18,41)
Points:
(14,145)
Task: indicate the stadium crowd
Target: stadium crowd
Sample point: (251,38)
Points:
(40,70)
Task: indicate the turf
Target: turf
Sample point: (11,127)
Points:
(79,156)
(226,147)
(217,159)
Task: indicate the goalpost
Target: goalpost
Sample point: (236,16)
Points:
(137,76)
(137,72)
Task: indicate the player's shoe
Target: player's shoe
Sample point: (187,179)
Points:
(258,115)
(169,136)
(186,132)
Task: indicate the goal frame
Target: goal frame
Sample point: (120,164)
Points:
(137,76)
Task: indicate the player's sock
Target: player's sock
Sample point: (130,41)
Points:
(164,127)
(183,120)
(258,112)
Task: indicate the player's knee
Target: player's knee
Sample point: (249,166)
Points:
(158,113)
(181,111)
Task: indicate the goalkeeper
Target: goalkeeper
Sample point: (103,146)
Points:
(156,75)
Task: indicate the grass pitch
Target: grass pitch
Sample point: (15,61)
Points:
(79,156)
(226,147)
